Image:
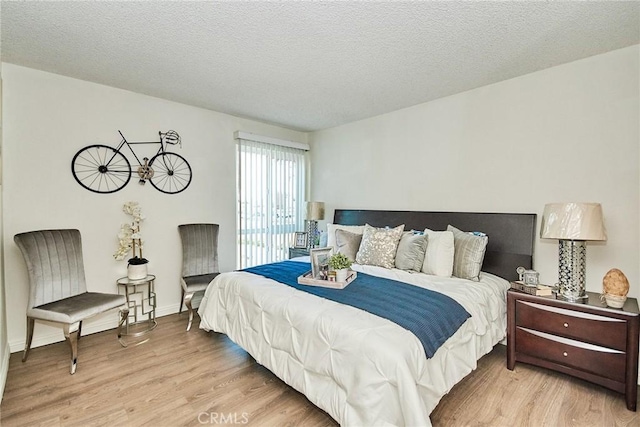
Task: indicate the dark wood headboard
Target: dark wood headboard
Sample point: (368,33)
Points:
(511,235)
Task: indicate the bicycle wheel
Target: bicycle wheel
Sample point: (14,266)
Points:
(171,173)
(101,169)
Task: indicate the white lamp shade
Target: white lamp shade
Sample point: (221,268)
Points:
(315,211)
(573,221)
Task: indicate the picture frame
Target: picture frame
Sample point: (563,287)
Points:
(301,239)
(531,278)
(320,262)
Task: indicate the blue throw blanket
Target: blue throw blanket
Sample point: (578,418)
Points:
(430,316)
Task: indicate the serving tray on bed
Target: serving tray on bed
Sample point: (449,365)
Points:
(306,279)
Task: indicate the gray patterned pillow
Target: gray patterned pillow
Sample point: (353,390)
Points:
(469,253)
(379,246)
(348,243)
(411,250)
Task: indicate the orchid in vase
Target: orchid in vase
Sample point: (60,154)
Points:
(129,237)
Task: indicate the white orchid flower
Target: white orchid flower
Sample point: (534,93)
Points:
(129,236)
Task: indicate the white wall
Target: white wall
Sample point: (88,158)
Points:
(47,119)
(4,340)
(568,133)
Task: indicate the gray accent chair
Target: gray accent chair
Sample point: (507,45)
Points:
(57,287)
(199,261)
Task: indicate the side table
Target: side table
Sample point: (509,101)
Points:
(141,300)
(296,252)
(587,340)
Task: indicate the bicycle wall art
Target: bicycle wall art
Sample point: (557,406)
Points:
(103,169)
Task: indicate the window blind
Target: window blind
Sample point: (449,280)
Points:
(271,187)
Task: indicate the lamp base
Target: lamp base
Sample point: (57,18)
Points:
(572,270)
(312,232)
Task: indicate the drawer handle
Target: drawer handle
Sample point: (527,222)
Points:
(565,354)
(566,325)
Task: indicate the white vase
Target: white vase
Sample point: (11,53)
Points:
(137,271)
(341,275)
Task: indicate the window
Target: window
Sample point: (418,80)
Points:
(271,188)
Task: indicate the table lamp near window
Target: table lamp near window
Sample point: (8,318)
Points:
(573,224)
(315,213)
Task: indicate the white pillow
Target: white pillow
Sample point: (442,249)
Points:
(438,259)
(331,233)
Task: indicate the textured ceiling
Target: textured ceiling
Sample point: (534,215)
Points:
(308,65)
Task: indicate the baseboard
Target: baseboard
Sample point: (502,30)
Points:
(4,369)
(167,310)
(54,336)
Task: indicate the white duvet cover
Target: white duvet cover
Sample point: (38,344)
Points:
(358,367)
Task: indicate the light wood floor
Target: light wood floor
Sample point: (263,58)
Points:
(179,378)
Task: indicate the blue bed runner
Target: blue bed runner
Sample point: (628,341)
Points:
(429,315)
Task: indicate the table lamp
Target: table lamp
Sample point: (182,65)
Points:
(573,224)
(315,212)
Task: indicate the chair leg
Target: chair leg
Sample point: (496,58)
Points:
(187,303)
(71,334)
(27,345)
(181,301)
(79,330)
(124,315)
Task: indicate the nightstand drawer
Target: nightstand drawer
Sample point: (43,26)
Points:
(597,360)
(595,329)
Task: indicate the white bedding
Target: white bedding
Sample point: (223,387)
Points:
(359,368)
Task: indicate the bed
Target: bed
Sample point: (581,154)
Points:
(360,368)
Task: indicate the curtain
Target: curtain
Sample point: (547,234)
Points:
(271,188)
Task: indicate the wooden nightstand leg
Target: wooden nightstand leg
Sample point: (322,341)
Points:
(631,398)
(631,386)
(511,332)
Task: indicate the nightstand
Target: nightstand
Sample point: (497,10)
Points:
(296,252)
(586,340)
